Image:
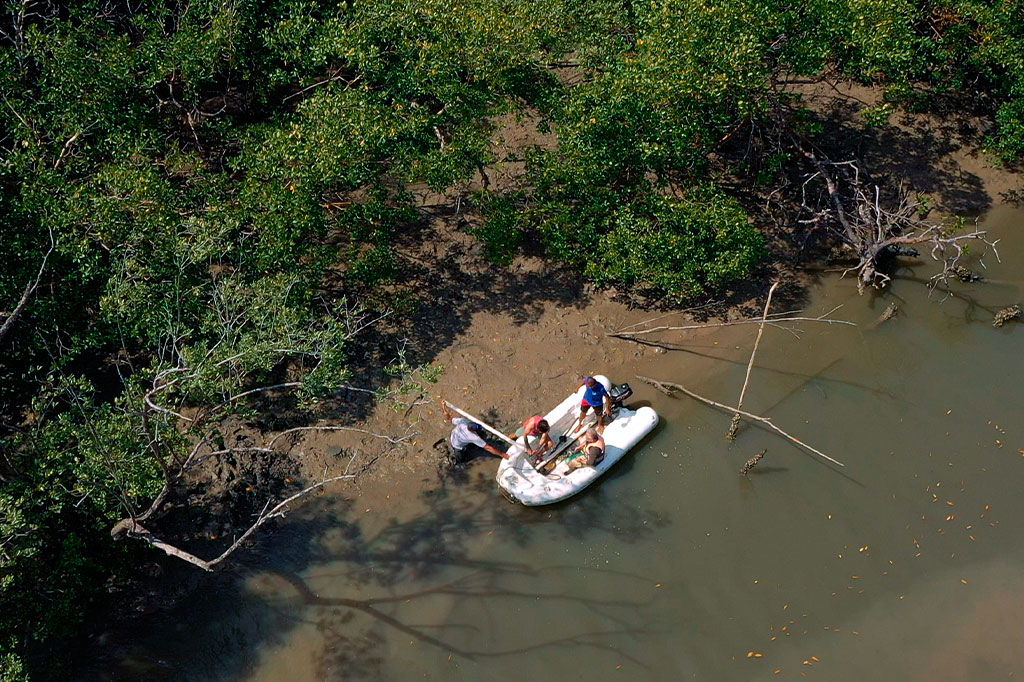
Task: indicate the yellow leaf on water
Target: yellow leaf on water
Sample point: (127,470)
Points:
(963,580)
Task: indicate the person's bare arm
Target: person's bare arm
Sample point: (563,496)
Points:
(447,412)
(495,451)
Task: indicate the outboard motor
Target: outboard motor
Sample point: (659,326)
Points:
(619,394)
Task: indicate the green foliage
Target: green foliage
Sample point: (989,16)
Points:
(877,115)
(218,176)
(501,231)
(678,246)
(11,667)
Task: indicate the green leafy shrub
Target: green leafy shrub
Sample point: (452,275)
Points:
(501,232)
(681,247)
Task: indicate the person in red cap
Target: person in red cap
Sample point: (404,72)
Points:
(536,436)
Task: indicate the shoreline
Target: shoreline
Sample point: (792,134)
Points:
(490,368)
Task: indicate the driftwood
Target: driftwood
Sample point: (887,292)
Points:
(774,319)
(667,387)
(873,224)
(731,435)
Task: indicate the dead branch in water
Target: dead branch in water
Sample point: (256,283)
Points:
(771,319)
(873,225)
(731,435)
(133,529)
(667,387)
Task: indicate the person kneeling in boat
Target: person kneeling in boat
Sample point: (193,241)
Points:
(596,396)
(590,453)
(467,438)
(536,436)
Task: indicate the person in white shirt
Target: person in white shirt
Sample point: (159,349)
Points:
(467,437)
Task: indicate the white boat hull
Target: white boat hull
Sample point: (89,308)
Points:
(523,483)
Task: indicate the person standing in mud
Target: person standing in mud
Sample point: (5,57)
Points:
(596,397)
(467,438)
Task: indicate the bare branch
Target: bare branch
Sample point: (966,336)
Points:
(261,389)
(29,290)
(707,325)
(390,439)
(750,365)
(132,528)
(667,387)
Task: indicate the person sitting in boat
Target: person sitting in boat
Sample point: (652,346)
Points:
(467,438)
(536,435)
(590,452)
(596,396)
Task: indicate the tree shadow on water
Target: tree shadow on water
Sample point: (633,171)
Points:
(340,592)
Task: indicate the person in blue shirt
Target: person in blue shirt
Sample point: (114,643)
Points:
(596,397)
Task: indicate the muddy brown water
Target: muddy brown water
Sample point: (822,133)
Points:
(904,564)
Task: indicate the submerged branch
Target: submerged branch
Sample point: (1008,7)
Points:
(622,334)
(667,387)
(731,435)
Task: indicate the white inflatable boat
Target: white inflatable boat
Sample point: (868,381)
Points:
(526,483)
